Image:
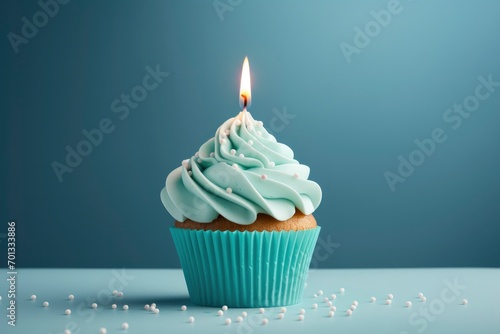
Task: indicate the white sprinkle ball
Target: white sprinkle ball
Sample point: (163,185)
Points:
(94,305)
(237,122)
(272,164)
(325,299)
(281,316)
(67,331)
(423,299)
(388,302)
(228,132)
(320,292)
(157,310)
(239,319)
(45,304)
(241,155)
(220,313)
(283,310)
(315,306)
(373,299)
(315,295)
(33,297)
(235,166)
(244,314)
(191,320)
(223,135)
(102,330)
(333,308)
(420,295)
(465,301)
(349,312)
(153,305)
(120,294)
(71,297)
(250,142)
(183,308)
(265,321)
(301,317)
(263,177)
(222,141)
(353,307)
(302,311)
(331,314)
(334,296)
(146,307)
(228,321)
(67,312)
(125,325)
(125,307)
(115,292)
(408,304)
(329,303)
(233,151)
(199,160)
(152,308)
(261,310)
(197,154)
(229,190)
(113,306)
(260,123)
(390,296)
(224,308)
(342,290)
(190,173)
(355,303)
(211,154)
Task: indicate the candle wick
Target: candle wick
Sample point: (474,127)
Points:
(245,101)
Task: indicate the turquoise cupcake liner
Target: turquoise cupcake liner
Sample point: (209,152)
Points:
(245,269)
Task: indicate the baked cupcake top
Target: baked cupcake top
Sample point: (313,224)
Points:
(241,172)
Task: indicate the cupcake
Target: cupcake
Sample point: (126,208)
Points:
(244,230)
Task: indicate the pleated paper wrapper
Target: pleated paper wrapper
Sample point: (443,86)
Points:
(245,269)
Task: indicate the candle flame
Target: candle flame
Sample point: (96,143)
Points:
(245,86)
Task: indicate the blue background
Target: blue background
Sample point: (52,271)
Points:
(352,121)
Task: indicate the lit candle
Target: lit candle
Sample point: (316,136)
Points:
(245,86)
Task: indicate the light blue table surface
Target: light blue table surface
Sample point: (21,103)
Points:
(442,312)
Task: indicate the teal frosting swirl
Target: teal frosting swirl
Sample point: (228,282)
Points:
(241,172)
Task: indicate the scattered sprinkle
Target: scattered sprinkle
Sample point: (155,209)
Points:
(102,330)
(183,307)
(315,295)
(156,311)
(33,297)
(250,142)
(220,313)
(212,154)
(281,316)
(408,304)
(153,305)
(325,299)
(71,297)
(120,294)
(228,132)
(388,302)
(353,307)
(423,299)
(331,314)
(355,303)
(113,306)
(390,296)
(373,299)
(223,135)
(235,166)
(260,123)
(125,325)
(342,290)
(302,311)
(237,122)
(199,160)
(263,177)
(67,312)
(67,331)
(228,321)
(465,301)
(283,310)
(191,320)
(190,173)
(265,321)
(329,303)
(272,164)
(241,155)
(320,292)
(233,151)
(420,295)
(301,317)
(229,191)
(125,307)
(315,306)
(115,292)
(152,308)
(262,310)
(349,312)
(94,305)
(334,296)
(239,319)
(185,164)
(222,141)
(146,307)
(45,304)
(333,308)
(244,314)
(224,308)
